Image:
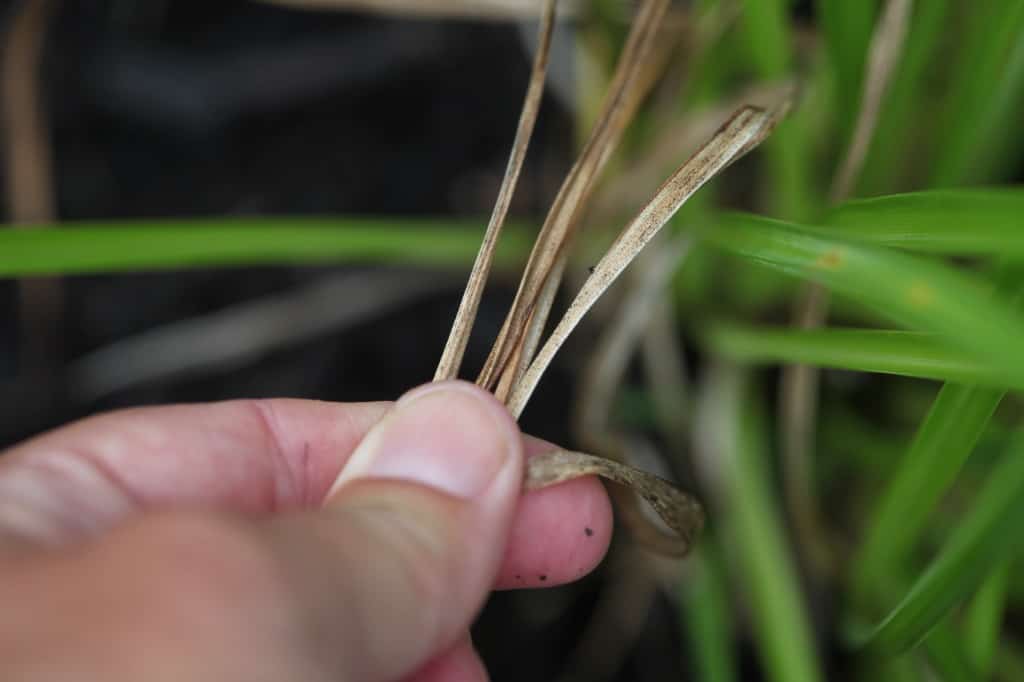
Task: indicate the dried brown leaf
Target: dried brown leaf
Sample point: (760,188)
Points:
(741,133)
(617,109)
(678,510)
(511,370)
(494,10)
(455,348)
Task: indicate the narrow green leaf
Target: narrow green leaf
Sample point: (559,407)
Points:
(942,444)
(944,648)
(753,520)
(847,28)
(984,618)
(956,221)
(915,292)
(988,536)
(983,81)
(79,248)
(707,613)
(900,126)
(911,354)
(1000,150)
(766,38)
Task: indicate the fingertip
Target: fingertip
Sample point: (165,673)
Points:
(559,535)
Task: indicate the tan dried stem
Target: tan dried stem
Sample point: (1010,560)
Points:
(653,66)
(492,10)
(617,109)
(29,172)
(883,57)
(455,348)
(799,384)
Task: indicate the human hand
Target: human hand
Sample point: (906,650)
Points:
(278,540)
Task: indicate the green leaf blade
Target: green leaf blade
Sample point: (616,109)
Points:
(987,537)
(85,248)
(900,353)
(963,221)
(915,292)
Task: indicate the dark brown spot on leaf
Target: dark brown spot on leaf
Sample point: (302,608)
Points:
(543,578)
(588,531)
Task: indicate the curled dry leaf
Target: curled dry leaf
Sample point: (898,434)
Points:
(511,371)
(678,510)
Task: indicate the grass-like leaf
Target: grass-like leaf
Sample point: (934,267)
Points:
(707,611)
(988,535)
(945,652)
(847,27)
(984,82)
(766,39)
(915,292)
(903,353)
(751,517)
(942,444)
(84,248)
(886,49)
(900,118)
(984,619)
(956,221)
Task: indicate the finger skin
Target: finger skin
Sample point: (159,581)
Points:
(370,587)
(559,534)
(165,597)
(252,457)
(208,597)
(459,664)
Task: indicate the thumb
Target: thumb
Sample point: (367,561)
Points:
(425,505)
